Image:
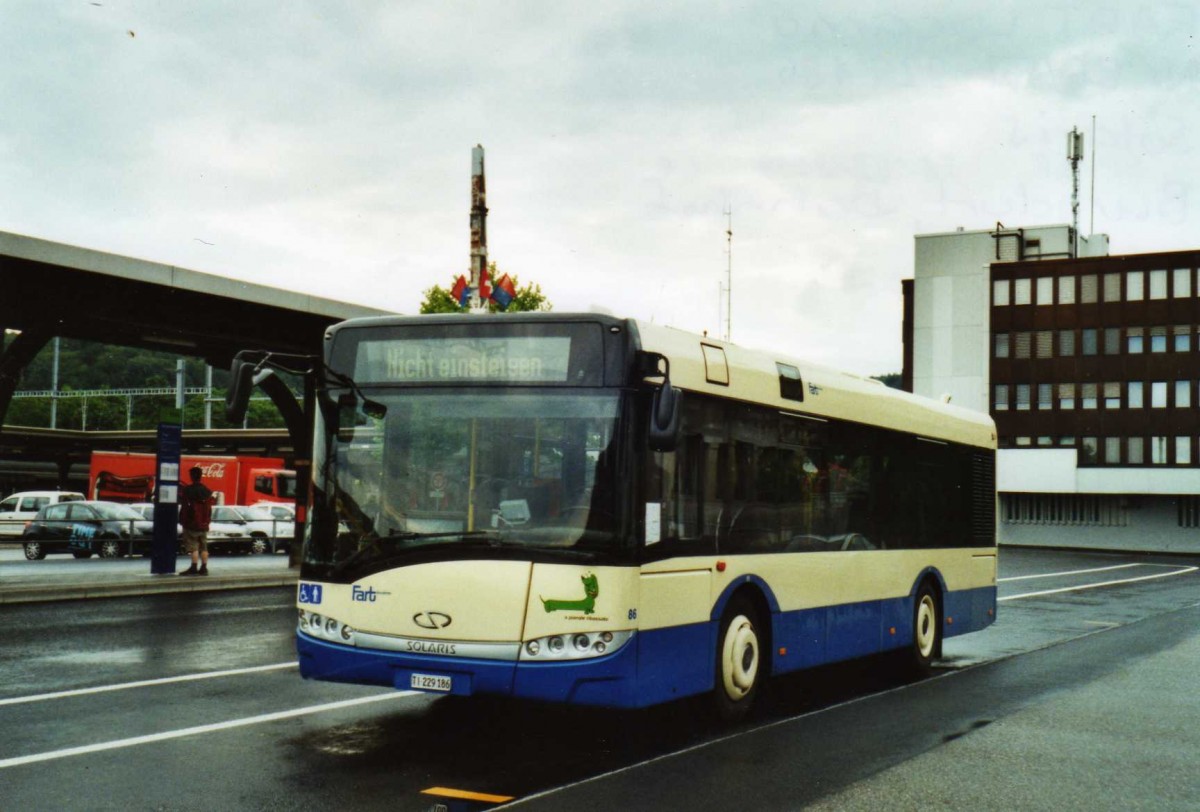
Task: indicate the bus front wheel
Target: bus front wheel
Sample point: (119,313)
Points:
(927,631)
(739,669)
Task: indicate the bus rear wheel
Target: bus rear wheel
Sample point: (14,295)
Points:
(927,631)
(739,670)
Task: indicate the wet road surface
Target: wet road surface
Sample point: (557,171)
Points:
(193,702)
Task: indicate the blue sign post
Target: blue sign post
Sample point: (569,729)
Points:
(165,546)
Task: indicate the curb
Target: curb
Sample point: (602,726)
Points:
(154,585)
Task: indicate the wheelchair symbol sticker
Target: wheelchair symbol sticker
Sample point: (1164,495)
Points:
(310,593)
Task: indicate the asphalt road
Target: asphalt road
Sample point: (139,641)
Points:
(1080,696)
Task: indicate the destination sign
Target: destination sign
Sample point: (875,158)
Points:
(508,359)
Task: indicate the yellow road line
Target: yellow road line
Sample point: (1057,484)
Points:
(463,794)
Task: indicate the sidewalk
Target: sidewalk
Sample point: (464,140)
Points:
(58,578)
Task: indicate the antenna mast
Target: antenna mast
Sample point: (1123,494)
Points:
(1092,224)
(728,273)
(1074,155)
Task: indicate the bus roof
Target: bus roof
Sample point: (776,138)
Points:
(753,377)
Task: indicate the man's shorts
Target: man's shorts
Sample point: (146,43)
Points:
(195,541)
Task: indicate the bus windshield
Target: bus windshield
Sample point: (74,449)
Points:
(456,471)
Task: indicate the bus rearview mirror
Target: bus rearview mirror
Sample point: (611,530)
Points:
(237,397)
(664,418)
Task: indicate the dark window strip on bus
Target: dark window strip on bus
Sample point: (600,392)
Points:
(752,479)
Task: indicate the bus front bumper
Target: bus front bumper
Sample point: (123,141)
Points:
(606,681)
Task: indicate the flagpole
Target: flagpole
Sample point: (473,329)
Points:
(478,231)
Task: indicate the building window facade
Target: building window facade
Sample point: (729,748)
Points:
(1045,344)
(1134,451)
(1158,395)
(1158,450)
(1112,340)
(1112,287)
(1066,343)
(1112,450)
(1000,400)
(1133,286)
(1066,290)
(1022,291)
(1158,284)
(1183,338)
(1182,283)
(1066,369)
(1000,293)
(1183,394)
(1087,341)
(1183,450)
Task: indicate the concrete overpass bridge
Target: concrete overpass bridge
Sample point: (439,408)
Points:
(50,289)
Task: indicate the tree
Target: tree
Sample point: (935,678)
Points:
(529,297)
(891,379)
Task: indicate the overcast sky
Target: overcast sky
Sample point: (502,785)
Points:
(325,147)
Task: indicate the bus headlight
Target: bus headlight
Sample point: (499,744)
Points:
(324,627)
(582,646)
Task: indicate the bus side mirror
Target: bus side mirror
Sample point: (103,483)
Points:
(664,418)
(241,384)
(664,408)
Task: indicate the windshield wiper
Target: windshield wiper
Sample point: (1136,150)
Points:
(409,535)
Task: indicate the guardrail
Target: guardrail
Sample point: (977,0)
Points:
(87,537)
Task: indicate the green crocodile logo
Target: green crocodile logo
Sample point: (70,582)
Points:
(587,604)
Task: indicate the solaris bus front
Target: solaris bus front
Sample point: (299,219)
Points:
(471,528)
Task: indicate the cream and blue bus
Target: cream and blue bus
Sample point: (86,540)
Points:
(600,511)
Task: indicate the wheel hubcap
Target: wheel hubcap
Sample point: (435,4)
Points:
(926,631)
(739,658)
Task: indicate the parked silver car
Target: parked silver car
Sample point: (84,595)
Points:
(267,534)
(223,537)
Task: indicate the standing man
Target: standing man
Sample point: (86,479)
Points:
(195,513)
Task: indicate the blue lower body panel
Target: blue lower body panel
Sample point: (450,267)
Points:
(658,665)
(607,681)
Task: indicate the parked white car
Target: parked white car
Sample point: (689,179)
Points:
(268,534)
(222,536)
(18,510)
(278,510)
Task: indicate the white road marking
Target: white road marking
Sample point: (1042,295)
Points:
(199,729)
(1070,572)
(122,686)
(1182,571)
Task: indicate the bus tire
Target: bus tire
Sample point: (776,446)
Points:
(739,660)
(927,631)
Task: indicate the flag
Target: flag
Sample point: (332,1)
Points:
(460,291)
(504,292)
(485,287)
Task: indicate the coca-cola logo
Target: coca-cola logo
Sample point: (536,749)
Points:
(215,470)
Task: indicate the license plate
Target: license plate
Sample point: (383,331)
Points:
(429,682)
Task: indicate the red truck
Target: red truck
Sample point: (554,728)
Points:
(119,476)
